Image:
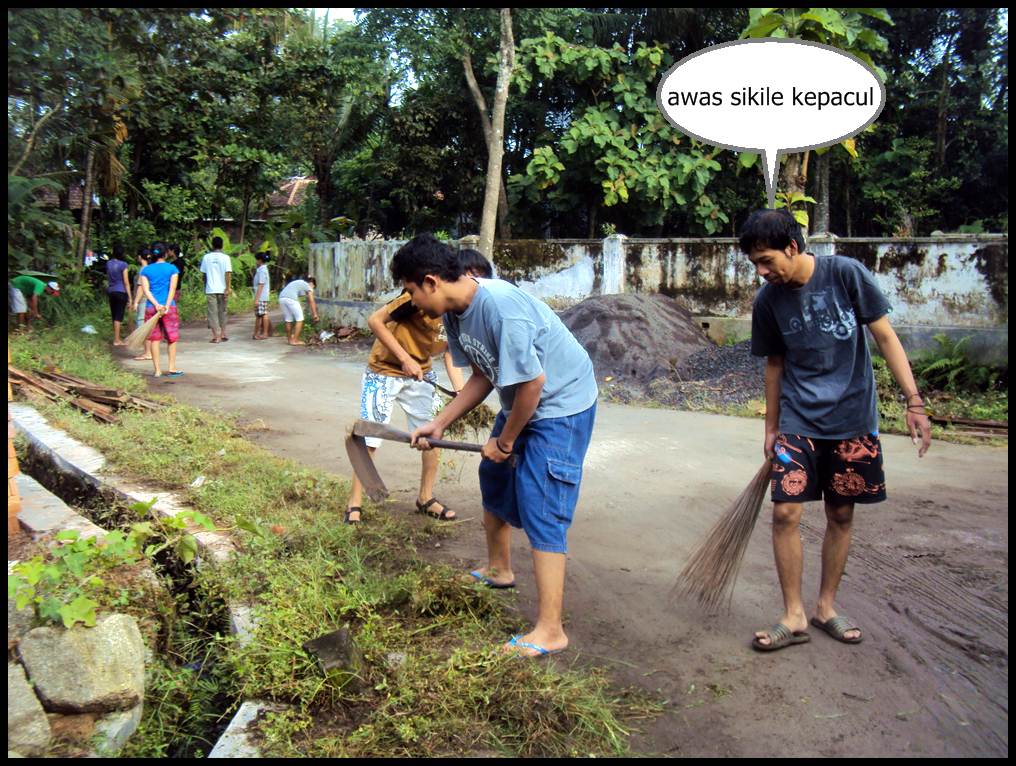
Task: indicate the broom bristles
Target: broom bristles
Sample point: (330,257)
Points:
(136,340)
(712,570)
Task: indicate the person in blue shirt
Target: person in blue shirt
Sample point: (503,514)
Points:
(532,463)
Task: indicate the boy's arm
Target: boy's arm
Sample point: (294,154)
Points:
(527,399)
(475,391)
(229,275)
(313,305)
(774,382)
(896,358)
(126,284)
(377,323)
(454,373)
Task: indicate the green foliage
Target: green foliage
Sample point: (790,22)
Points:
(63,587)
(950,368)
(621,143)
(36,237)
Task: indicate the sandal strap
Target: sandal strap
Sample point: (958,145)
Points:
(442,515)
(840,624)
(778,632)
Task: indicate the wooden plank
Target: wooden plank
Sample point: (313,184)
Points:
(969,422)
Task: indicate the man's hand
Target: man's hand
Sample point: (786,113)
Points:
(491,451)
(769,448)
(919,427)
(161,310)
(412,369)
(418,439)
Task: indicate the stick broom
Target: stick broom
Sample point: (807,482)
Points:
(711,572)
(136,340)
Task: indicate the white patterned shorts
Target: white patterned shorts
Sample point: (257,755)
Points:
(379,394)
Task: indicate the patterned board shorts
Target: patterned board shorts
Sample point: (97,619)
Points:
(843,470)
(260,308)
(167,328)
(379,394)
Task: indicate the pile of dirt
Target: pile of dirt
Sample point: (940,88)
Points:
(635,338)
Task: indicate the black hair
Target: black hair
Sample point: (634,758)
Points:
(771,230)
(310,279)
(174,248)
(262,256)
(475,261)
(217,243)
(157,250)
(118,252)
(425,255)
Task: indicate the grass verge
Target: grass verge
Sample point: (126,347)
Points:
(432,681)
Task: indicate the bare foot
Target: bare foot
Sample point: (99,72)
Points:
(142,359)
(119,343)
(297,343)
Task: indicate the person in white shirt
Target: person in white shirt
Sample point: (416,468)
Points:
(217,268)
(289,301)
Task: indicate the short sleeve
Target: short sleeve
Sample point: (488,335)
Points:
(459,358)
(517,360)
(867,298)
(766,338)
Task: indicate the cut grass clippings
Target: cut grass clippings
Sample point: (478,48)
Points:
(434,681)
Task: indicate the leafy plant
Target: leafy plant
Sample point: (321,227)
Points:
(950,368)
(61,586)
(171,530)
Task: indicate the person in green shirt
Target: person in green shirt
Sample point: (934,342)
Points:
(27,309)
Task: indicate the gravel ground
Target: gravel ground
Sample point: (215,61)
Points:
(718,377)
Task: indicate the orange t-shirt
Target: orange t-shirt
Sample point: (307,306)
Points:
(421,337)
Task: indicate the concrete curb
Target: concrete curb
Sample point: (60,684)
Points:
(87,466)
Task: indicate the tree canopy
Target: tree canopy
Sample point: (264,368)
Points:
(169,121)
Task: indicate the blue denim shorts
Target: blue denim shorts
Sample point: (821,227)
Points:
(539,493)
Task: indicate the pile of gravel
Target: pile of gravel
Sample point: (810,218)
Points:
(635,338)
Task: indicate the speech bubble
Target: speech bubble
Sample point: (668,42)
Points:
(771,96)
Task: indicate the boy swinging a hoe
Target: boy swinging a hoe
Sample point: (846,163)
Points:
(821,427)
(532,462)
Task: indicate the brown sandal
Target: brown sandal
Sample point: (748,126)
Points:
(442,516)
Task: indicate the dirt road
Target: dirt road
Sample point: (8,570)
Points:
(927,578)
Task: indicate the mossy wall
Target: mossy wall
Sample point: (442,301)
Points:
(952,280)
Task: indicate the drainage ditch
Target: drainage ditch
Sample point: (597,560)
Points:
(190,690)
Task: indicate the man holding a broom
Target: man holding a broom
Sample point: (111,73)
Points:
(821,428)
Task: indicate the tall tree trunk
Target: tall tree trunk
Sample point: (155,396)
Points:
(246,212)
(324,188)
(86,202)
(821,223)
(503,228)
(943,110)
(795,173)
(495,138)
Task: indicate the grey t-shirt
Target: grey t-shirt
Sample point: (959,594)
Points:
(513,338)
(828,387)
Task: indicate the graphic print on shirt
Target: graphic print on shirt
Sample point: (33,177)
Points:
(480,356)
(821,313)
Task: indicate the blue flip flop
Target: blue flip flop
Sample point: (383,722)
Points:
(490,583)
(175,374)
(540,651)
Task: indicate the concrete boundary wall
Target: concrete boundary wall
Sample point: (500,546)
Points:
(958,283)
